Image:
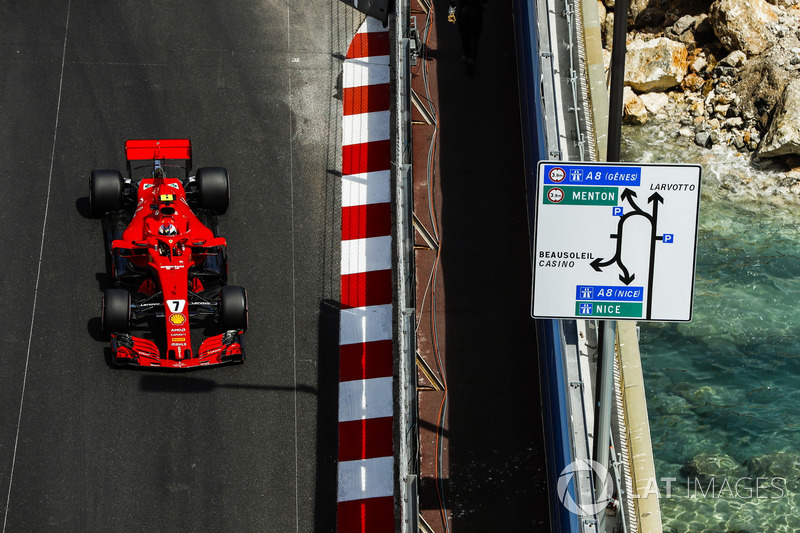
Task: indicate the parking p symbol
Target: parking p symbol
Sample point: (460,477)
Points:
(668,238)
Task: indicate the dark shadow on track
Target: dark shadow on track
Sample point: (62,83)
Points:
(95,329)
(325,506)
(82,206)
(184,384)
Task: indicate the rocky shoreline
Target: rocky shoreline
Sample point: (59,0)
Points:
(722,75)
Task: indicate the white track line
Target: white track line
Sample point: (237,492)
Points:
(294,279)
(38,269)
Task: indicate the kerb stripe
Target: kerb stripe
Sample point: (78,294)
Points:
(369,44)
(366,516)
(365,475)
(364,221)
(365,99)
(365,439)
(366,288)
(365,157)
(365,360)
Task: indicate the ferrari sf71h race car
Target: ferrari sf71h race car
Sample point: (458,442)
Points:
(169,266)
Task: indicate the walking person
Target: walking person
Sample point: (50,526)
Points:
(469,17)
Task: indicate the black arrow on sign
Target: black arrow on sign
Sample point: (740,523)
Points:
(655,199)
(626,277)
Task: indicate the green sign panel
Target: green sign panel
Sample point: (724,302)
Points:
(581,195)
(609,309)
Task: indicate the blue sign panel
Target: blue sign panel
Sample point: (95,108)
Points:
(619,176)
(608,293)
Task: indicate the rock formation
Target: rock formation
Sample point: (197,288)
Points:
(783,136)
(726,72)
(745,26)
(655,65)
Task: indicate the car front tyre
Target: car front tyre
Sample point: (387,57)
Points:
(213,189)
(116,314)
(233,308)
(105,191)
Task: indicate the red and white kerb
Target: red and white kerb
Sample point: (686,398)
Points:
(366,458)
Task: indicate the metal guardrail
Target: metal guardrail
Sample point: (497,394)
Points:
(575,52)
(407,467)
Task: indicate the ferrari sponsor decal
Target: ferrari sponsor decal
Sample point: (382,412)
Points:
(167,197)
(178,339)
(177,319)
(176,306)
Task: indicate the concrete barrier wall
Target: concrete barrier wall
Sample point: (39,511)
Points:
(641,468)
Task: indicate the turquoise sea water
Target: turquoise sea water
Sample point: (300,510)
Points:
(723,391)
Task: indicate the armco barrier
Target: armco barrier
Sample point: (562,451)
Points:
(407,434)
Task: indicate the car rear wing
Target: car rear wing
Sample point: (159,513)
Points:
(158,149)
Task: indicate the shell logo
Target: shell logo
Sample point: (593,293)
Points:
(177,319)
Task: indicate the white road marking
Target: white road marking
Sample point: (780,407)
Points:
(357,72)
(366,255)
(365,324)
(366,478)
(365,127)
(38,270)
(366,188)
(363,399)
(294,283)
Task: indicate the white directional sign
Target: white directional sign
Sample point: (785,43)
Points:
(615,241)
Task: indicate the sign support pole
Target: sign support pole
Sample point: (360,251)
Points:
(602,418)
(605,364)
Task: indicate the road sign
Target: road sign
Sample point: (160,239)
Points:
(615,241)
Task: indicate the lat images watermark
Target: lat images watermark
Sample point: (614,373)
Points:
(711,487)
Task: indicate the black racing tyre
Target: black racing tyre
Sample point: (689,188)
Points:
(116,316)
(233,308)
(213,189)
(105,191)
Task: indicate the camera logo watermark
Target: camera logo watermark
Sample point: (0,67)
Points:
(589,470)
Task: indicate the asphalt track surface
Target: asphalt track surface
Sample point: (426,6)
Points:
(83,446)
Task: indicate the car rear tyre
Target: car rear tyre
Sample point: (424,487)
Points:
(213,189)
(233,308)
(105,191)
(116,316)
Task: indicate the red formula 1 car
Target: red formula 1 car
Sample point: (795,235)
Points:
(168,264)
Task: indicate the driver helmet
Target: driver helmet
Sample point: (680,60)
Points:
(168,229)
